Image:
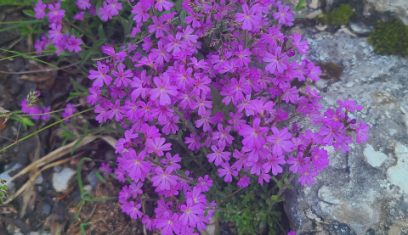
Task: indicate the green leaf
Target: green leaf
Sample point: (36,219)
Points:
(85,127)
(75,32)
(279,184)
(24,120)
(101,33)
(274,179)
(30,13)
(20,25)
(300,6)
(86,54)
(76,144)
(289,186)
(79,178)
(182,18)
(98,174)
(14,3)
(77,86)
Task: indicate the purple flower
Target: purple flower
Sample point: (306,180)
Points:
(55,15)
(285,15)
(349,105)
(79,16)
(169,223)
(141,11)
(204,183)
(158,26)
(68,111)
(105,167)
(248,17)
(163,179)
(301,46)
(191,211)
(253,136)
(297,163)
(157,146)
(218,155)
(40,9)
(171,161)
(135,165)
(100,76)
(281,141)
(227,172)
(361,136)
(223,136)
(243,181)
(83,4)
(307,175)
(73,44)
(193,142)
(132,210)
(277,61)
(46,116)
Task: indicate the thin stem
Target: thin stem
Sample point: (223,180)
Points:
(232,194)
(56,111)
(283,189)
(187,149)
(39,71)
(53,124)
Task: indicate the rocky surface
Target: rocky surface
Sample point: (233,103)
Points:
(398,7)
(363,192)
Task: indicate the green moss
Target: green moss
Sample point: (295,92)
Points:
(340,15)
(331,70)
(390,38)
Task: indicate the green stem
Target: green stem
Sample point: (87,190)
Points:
(53,124)
(283,189)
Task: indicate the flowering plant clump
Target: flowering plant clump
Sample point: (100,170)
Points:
(214,78)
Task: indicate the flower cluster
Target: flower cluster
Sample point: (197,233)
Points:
(30,106)
(235,102)
(58,35)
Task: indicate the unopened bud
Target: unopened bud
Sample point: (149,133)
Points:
(291,53)
(353,121)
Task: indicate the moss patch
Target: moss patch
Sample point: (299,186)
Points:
(330,70)
(340,15)
(390,38)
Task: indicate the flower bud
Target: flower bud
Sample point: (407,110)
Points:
(295,128)
(138,200)
(353,121)
(291,53)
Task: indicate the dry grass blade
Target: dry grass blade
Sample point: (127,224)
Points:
(110,140)
(33,177)
(29,191)
(53,156)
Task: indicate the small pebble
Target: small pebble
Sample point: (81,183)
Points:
(46,209)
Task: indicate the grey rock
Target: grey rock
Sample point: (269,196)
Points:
(46,209)
(398,7)
(61,179)
(92,178)
(360,28)
(6,175)
(366,190)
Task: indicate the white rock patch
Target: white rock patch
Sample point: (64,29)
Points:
(374,158)
(398,174)
(60,179)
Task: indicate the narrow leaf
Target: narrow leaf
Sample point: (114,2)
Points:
(76,144)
